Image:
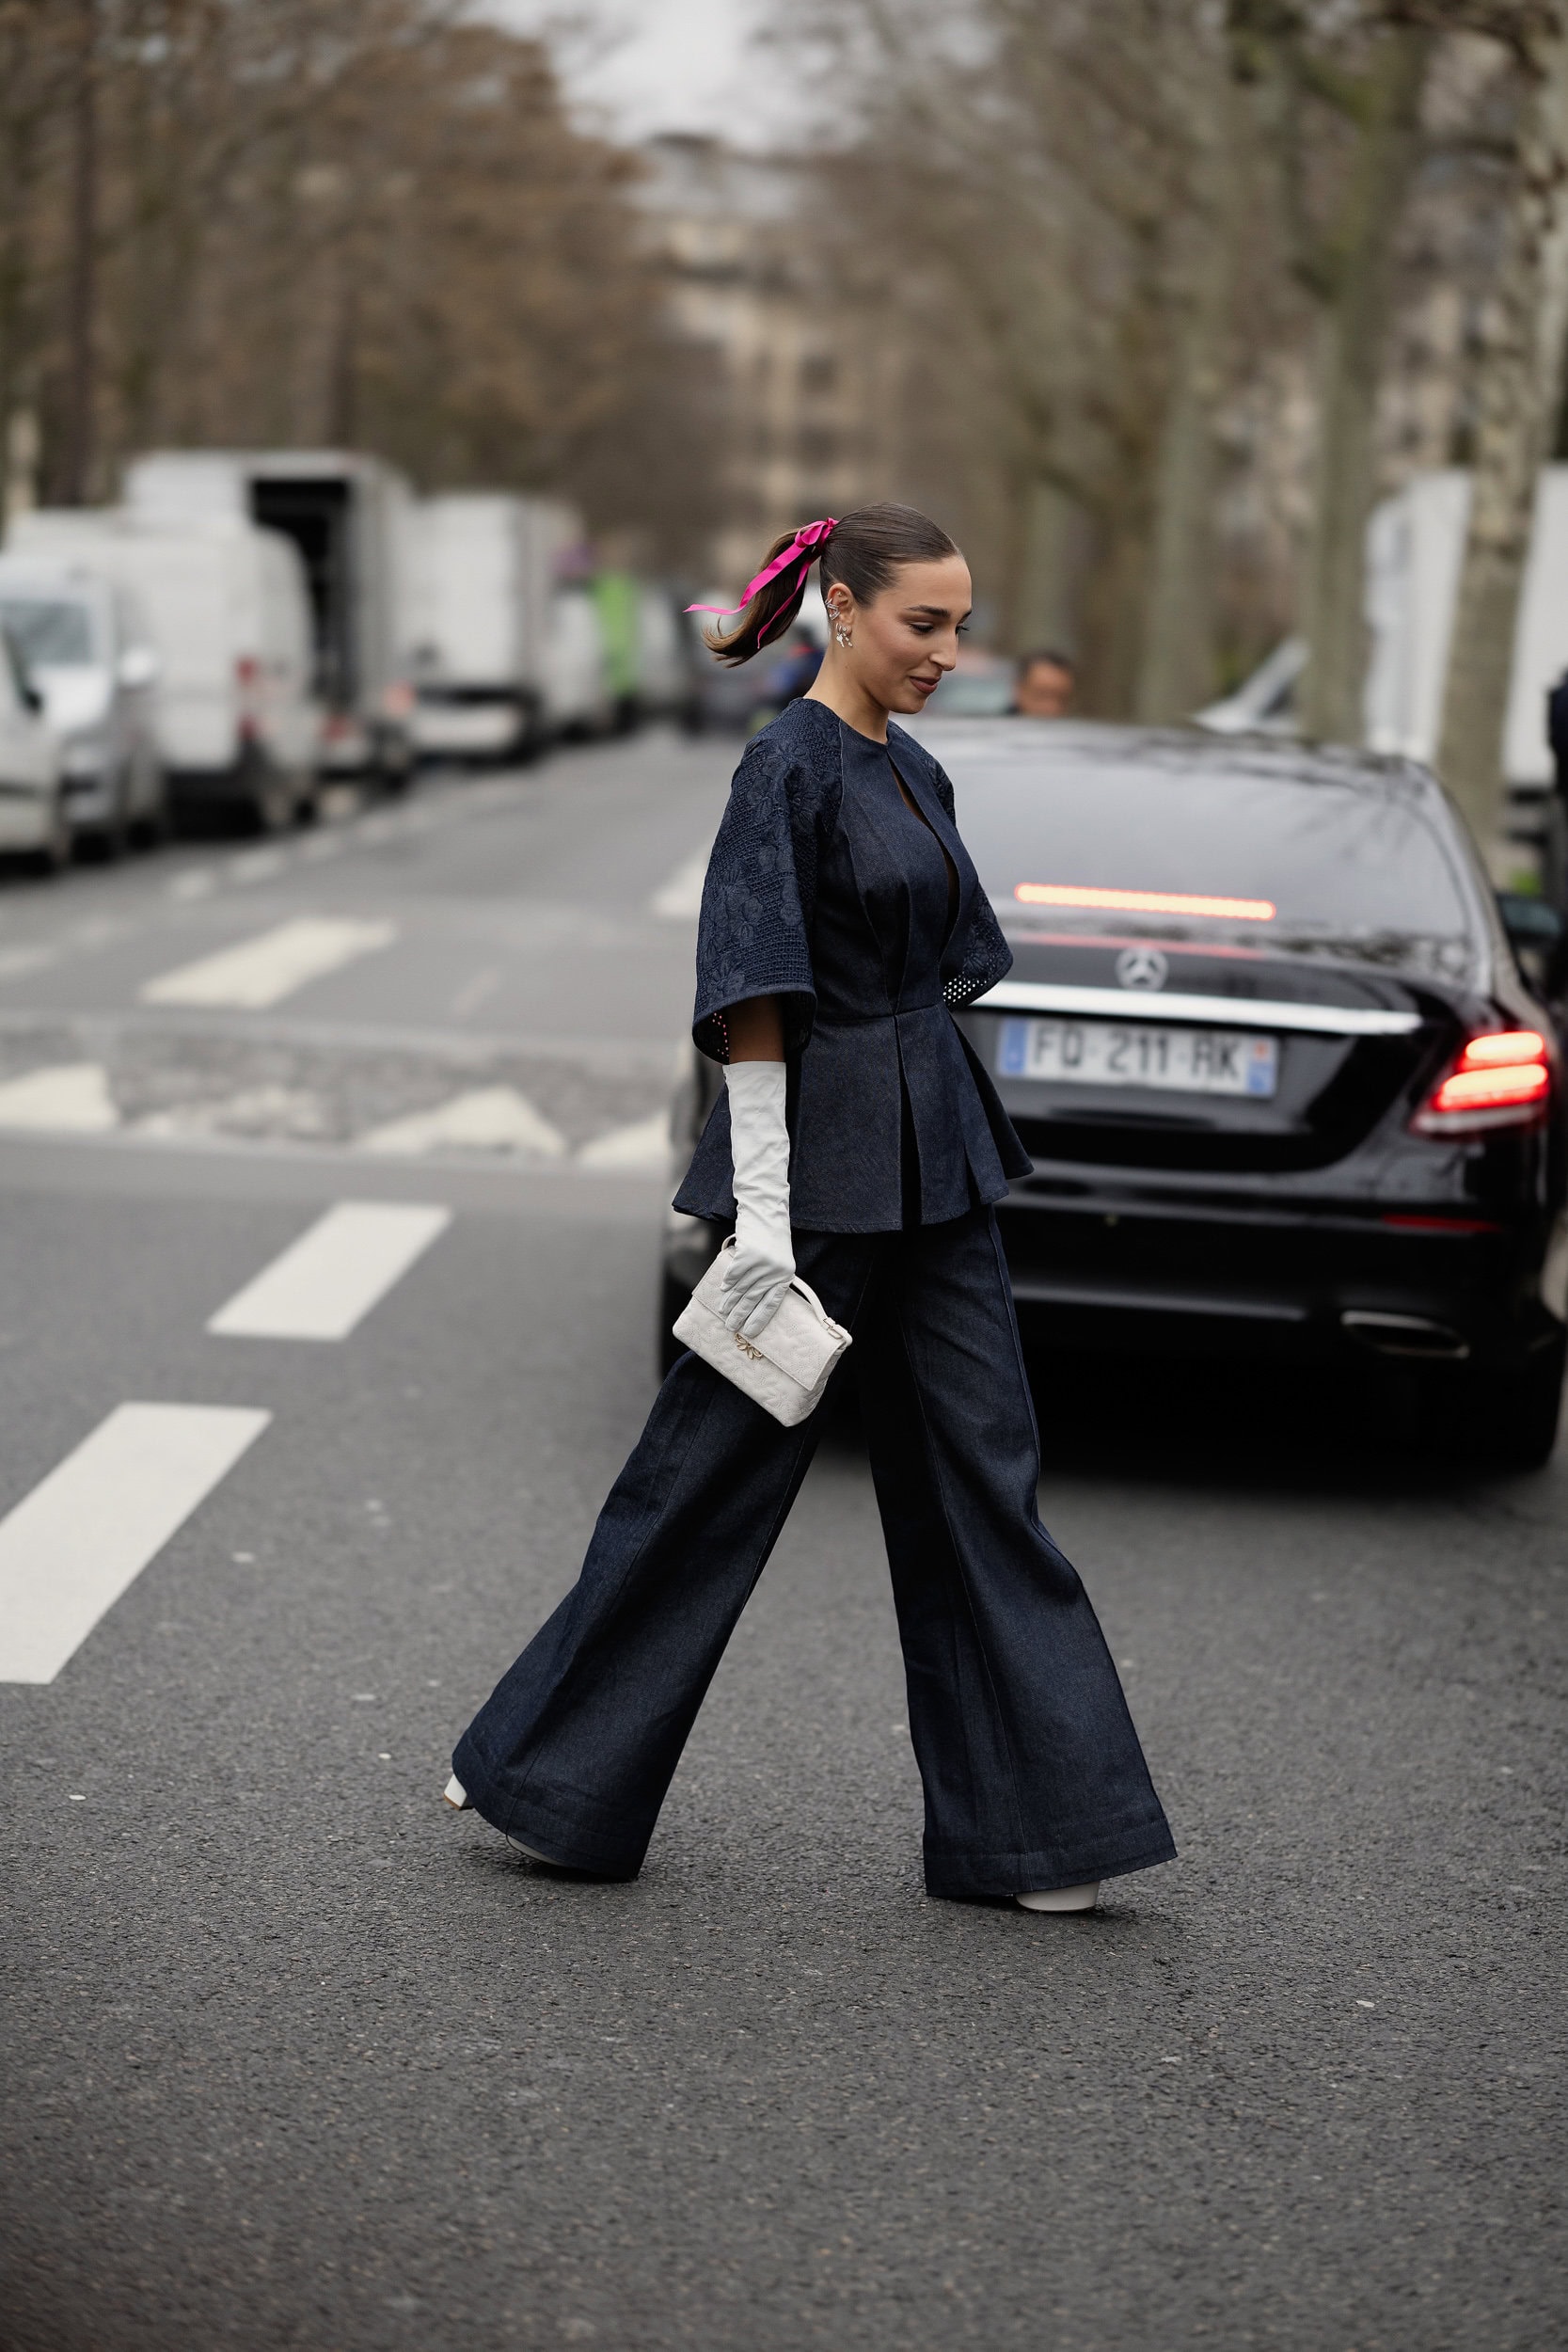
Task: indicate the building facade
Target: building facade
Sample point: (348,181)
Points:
(805,375)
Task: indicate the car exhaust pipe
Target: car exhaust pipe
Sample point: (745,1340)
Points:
(1405,1335)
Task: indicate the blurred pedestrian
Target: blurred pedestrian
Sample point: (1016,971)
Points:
(1556,814)
(793,674)
(1045,685)
(859,1143)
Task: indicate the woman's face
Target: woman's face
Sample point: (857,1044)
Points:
(906,640)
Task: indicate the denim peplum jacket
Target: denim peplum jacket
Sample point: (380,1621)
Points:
(869,924)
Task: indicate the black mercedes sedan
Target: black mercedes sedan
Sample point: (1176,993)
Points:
(1289,1073)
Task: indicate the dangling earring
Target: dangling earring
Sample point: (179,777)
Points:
(843,636)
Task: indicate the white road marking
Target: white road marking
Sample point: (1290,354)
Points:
(256,866)
(679,900)
(71,1547)
(488,1118)
(14,961)
(646,1144)
(70,1098)
(263,971)
(325,1283)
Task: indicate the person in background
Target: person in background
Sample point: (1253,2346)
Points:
(1556,877)
(795,675)
(1045,686)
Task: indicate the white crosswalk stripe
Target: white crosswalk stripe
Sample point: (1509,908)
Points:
(486,1119)
(262,971)
(68,1098)
(645,1145)
(679,900)
(325,1283)
(70,1547)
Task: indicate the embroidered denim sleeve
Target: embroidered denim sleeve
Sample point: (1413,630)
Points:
(983,955)
(755,933)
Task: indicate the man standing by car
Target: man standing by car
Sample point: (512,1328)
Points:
(1556,877)
(1045,685)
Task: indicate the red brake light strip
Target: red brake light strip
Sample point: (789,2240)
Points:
(1144,902)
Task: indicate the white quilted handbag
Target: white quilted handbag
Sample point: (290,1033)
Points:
(786,1368)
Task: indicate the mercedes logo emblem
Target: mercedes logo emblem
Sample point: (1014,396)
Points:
(1142,967)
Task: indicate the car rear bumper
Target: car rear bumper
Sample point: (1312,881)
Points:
(1321,1287)
(472,728)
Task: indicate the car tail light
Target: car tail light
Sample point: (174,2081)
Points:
(1501,1080)
(247,686)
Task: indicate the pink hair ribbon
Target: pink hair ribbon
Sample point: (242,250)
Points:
(802,551)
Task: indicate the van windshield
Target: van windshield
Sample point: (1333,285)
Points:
(49,632)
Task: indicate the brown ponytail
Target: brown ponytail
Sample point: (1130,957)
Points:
(862,551)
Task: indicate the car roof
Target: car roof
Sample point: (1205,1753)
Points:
(1005,742)
(56,578)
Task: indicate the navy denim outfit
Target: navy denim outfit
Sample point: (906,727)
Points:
(867,920)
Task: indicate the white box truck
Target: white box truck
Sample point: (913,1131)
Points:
(227,615)
(348,517)
(482,586)
(1415,548)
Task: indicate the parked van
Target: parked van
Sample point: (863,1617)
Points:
(88,649)
(1415,548)
(227,613)
(481,593)
(666,676)
(577,702)
(349,518)
(1415,551)
(33,818)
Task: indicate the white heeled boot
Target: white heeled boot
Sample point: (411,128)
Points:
(1062,1899)
(458,1798)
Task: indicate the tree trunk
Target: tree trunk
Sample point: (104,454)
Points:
(1518,389)
(1350,357)
(1176,665)
(81,356)
(1053,559)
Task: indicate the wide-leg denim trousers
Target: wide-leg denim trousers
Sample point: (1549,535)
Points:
(1033,1772)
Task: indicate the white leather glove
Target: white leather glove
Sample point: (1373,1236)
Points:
(760,1266)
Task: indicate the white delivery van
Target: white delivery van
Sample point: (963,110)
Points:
(87,646)
(578,701)
(33,817)
(227,615)
(349,518)
(666,686)
(1415,548)
(481,590)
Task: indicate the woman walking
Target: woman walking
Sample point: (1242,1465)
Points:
(859,1143)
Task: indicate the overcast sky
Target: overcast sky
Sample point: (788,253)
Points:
(668,65)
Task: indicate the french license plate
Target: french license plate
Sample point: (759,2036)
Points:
(1140,1053)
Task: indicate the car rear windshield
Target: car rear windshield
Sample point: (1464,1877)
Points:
(50,632)
(1262,856)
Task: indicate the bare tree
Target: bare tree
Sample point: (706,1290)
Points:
(298,220)
(1339,92)
(1518,390)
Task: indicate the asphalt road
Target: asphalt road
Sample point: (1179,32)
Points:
(293,2056)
